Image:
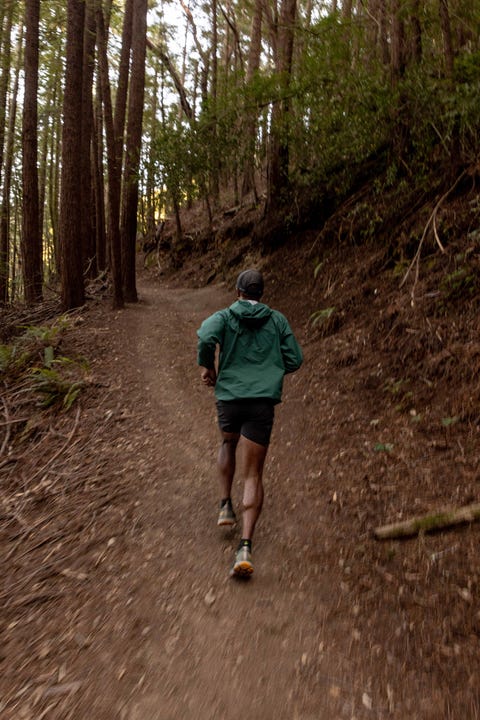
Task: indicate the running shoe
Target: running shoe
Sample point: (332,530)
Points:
(226,516)
(242,567)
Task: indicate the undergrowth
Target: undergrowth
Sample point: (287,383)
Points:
(33,368)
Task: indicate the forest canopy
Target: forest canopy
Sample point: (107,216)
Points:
(115,114)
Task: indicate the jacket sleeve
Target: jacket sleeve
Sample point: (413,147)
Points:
(291,351)
(210,334)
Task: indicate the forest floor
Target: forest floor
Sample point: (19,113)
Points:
(116,599)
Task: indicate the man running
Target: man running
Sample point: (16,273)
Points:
(256,349)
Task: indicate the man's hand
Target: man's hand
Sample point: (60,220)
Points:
(209,376)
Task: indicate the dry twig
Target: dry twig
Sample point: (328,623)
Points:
(431,220)
(61,450)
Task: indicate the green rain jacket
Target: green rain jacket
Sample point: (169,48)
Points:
(257,348)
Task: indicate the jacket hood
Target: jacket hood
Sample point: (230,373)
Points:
(250,315)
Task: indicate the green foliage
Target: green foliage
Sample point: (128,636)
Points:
(449,421)
(32,363)
(12,360)
(457,286)
(53,388)
(398,390)
(317,269)
(321,316)
(383,447)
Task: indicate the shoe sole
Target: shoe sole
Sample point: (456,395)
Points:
(226,523)
(242,569)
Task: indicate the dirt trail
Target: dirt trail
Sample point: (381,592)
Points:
(206,646)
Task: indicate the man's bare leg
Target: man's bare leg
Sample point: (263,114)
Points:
(226,463)
(250,460)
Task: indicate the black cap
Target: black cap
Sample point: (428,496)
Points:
(250,282)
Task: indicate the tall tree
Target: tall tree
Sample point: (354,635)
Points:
(133,148)
(87,211)
(98,183)
(113,172)
(6,157)
(31,244)
(278,152)
(73,289)
(250,115)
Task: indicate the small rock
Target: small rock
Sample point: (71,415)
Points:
(367,701)
(210,598)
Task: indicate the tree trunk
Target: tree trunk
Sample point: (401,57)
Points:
(113,173)
(73,291)
(99,185)
(250,131)
(214,154)
(122,85)
(86,171)
(447,38)
(6,155)
(31,244)
(54,181)
(278,153)
(133,148)
(397,50)
(416,33)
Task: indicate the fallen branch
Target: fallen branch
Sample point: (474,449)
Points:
(429,522)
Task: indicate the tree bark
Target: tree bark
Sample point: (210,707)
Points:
(86,170)
(250,131)
(447,38)
(397,43)
(31,243)
(99,185)
(133,149)
(120,111)
(416,33)
(6,154)
(429,522)
(71,261)
(278,153)
(113,173)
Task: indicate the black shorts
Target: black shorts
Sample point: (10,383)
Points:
(252,418)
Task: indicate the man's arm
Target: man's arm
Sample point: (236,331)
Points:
(291,351)
(210,334)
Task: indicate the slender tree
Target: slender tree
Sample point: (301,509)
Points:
(115,255)
(31,244)
(98,183)
(87,211)
(6,154)
(251,114)
(133,148)
(278,153)
(73,290)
